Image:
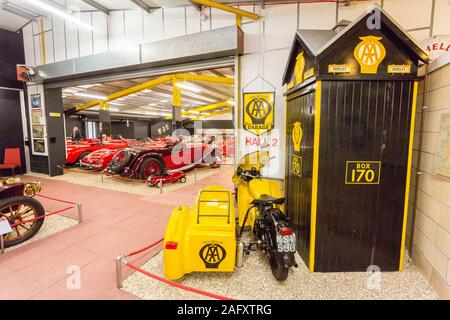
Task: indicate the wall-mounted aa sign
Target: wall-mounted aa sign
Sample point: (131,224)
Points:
(259,112)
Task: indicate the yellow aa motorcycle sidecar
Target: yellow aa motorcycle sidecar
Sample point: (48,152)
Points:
(202,239)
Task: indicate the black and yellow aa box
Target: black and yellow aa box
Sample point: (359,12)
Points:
(296,165)
(363,172)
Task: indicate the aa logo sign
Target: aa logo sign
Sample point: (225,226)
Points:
(369,53)
(212,255)
(259,112)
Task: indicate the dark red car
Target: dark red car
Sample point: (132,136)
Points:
(144,163)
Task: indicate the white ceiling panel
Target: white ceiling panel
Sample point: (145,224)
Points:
(10,21)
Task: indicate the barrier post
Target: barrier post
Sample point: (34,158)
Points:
(2,245)
(161,185)
(80,213)
(119,272)
(195,174)
(102,175)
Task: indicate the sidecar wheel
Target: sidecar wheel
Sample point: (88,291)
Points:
(279,271)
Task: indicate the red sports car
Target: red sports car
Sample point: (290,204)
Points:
(144,163)
(100,159)
(77,151)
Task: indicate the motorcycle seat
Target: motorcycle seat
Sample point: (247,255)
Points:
(266,199)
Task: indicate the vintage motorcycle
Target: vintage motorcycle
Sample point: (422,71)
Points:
(209,237)
(260,209)
(17,205)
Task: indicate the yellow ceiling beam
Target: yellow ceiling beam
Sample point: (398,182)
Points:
(212,114)
(156,82)
(126,92)
(220,6)
(203,108)
(203,78)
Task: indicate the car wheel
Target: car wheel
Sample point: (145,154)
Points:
(119,161)
(84,154)
(17,209)
(150,167)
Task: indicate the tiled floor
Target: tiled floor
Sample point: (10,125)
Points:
(114,223)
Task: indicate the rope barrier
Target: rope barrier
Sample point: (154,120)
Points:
(161,279)
(144,249)
(176,284)
(54,199)
(114,176)
(40,217)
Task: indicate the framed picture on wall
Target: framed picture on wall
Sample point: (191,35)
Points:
(38,131)
(36,116)
(36,101)
(39,145)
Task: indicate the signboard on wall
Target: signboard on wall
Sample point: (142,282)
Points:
(259,110)
(441,161)
(437,45)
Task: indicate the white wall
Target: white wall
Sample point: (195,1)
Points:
(267,42)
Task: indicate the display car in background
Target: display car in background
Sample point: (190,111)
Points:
(100,159)
(76,151)
(145,163)
(20,209)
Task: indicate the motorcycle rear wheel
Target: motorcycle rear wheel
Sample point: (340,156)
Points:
(279,271)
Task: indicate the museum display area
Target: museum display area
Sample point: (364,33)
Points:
(225,150)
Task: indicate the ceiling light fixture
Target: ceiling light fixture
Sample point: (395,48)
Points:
(93,96)
(187,86)
(194,112)
(231,102)
(47,7)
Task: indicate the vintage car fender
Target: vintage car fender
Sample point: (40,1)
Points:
(202,239)
(134,167)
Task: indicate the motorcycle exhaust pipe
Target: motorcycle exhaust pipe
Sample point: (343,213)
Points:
(240,254)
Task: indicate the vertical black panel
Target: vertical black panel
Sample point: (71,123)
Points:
(11,132)
(11,54)
(300,108)
(360,224)
(55,131)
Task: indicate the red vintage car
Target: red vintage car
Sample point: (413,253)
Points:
(99,160)
(77,151)
(144,163)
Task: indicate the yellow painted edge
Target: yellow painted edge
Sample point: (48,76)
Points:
(312,241)
(44,54)
(408,175)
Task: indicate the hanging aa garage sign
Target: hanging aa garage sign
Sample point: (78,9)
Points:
(259,112)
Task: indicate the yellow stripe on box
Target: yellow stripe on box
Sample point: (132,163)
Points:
(315,177)
(408,175)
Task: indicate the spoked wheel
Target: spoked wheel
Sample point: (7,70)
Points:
(150,167)
(119,161)
(16,210)
(182,180)
(279,271)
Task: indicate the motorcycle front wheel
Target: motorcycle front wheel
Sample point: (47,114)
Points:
(279,270)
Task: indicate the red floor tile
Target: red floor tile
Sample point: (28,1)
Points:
(18,287)
(31,253)
(54,268)
(97,280)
